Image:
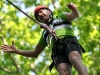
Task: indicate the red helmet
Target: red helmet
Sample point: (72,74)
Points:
(38,8)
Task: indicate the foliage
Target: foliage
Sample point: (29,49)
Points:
(15,26)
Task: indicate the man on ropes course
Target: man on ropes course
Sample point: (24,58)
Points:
(66,51)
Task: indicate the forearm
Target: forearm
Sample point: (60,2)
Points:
(31,53)
(75,13)
(27,53)
(72,15)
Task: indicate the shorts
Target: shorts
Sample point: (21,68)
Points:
(62,50)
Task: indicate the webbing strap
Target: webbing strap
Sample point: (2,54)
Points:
(51,66)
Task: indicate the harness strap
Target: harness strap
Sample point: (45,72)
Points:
(82,48)
(51,66)
(54,52)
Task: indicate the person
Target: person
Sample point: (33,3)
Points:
(66,50)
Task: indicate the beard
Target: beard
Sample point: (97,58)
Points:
(46,18)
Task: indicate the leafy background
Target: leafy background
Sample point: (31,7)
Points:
(16,26)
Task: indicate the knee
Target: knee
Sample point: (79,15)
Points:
(75,58)
(64,69)
(64,72)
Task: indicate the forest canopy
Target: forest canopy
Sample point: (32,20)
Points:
(15,26)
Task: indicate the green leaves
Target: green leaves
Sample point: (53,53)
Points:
(26,34)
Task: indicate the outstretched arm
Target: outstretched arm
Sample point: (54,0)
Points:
(74,14)
(27,53)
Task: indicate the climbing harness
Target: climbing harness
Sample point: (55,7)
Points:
(65,41)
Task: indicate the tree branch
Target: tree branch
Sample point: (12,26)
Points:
(53,2)
(7,70)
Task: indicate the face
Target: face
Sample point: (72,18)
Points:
(43,15)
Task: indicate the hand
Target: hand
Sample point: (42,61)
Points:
(7,48)
(72,6)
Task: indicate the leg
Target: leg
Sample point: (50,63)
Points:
(64,69)
(75,59)
(63,65)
